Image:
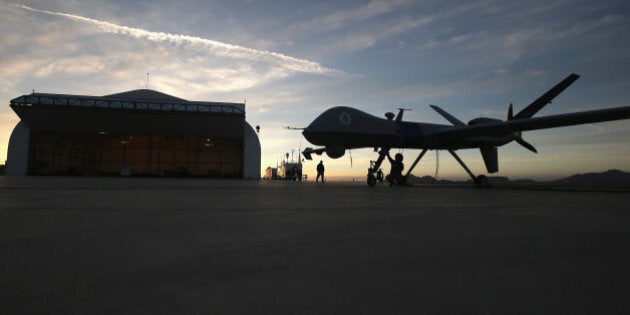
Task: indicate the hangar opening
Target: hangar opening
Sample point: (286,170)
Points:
(135,133)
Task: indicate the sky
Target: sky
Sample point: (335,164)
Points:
(291,60)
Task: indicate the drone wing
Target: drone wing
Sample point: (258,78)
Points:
(505,127)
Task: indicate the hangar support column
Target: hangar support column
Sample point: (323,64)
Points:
(17,155)
(251,153)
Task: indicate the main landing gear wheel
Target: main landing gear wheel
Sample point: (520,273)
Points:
(481,181)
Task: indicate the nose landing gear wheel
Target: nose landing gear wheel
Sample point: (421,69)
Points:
(371,180)
(374,166)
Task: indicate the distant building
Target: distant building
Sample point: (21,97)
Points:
(135,133)
(271,173)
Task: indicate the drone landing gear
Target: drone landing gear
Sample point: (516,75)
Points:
(480,181)
(375,165)
(416,162)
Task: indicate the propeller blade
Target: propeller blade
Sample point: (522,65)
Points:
(510,112)
(526,144)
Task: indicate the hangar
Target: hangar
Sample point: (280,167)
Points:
(135,133)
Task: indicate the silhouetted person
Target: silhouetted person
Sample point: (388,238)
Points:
(395,174)
(320,171)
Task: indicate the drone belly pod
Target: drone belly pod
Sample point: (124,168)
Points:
(335,152)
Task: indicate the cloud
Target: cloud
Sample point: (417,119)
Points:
(340,18)
(195,55)
(357,27)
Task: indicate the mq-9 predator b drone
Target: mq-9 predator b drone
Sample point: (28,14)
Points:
(341,128)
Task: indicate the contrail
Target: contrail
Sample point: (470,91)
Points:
(217,48)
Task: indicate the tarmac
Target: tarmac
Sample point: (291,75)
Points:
(83,245)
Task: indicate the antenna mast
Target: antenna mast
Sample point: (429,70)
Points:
(147,80)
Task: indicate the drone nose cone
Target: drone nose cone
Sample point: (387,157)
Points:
(318,132)
(311,132)
(307,133)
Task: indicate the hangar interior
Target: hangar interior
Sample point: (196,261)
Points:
(74,153)
(136,133)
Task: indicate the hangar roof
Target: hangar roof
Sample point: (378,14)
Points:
(132,100)
(146,94)
(141,111)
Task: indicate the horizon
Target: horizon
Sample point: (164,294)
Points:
(464,179)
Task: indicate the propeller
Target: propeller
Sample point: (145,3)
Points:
(519,137)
